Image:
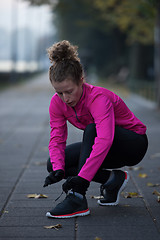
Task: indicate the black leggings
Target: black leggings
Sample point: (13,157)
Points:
(128,149)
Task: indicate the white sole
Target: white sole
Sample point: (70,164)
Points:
(78,214)
(120,190)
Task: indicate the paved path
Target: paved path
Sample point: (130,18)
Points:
(24,136)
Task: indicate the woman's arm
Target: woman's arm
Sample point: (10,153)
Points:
(102,111)
(58,136)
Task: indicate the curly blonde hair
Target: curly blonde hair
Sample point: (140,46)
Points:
(65,62)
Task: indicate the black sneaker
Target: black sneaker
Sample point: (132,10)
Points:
(73,205)
(113,187)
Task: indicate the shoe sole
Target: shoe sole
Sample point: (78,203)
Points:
(120,190)
(76,214)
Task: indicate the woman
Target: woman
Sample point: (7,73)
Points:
(113,136)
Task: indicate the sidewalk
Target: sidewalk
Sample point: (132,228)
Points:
(24,136)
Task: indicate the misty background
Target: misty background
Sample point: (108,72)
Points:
(25,33)
(119,41)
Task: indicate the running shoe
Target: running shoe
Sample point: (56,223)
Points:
(73,205)
(113,187)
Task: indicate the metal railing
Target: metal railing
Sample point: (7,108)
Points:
(144,88)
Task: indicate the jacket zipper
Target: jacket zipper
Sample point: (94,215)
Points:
(76,115)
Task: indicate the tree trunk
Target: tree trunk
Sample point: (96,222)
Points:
(157,56)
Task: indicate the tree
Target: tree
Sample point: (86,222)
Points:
(156,3)
(79,22)
(135,18)
(140,20)
(103,28)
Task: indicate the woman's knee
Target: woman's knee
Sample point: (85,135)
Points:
(90,127)
(90,131)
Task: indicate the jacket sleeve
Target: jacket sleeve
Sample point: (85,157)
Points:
(102,111)
(58,136)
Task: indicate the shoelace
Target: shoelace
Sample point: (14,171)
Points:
(59,196)
(66,191)
(75,193)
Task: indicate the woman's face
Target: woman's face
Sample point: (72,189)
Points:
(69,91)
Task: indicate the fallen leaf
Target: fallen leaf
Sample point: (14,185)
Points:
(131,195)
(37,196)
(40,163)
(31,195)
(135,168)
(76,226)
(97,197)
(142,175)
(153,185)
(156,193)
(5,211)
(57,226)
(156,155)
(97,238)
(41,196)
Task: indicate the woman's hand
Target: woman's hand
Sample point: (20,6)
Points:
(54,177)
(76,183)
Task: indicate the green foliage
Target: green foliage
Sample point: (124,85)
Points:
(104,30)
(135,18)
(100,45)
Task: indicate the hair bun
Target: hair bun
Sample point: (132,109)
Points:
(61,51)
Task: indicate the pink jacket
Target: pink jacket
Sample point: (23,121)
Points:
(97,105)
